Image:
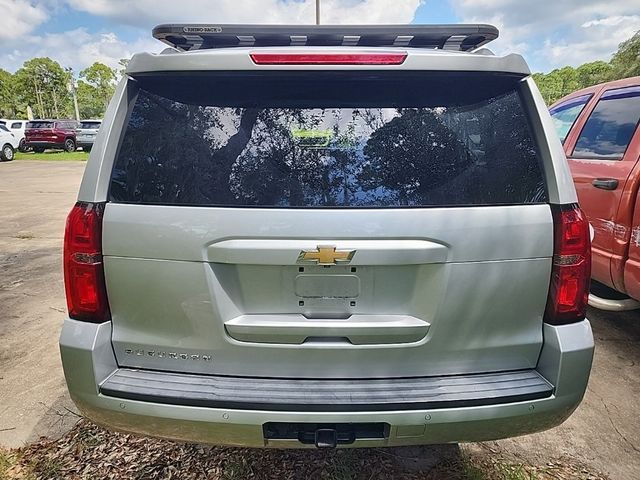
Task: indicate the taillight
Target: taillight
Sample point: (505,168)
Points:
(83,269)
(571,271)
(329,58)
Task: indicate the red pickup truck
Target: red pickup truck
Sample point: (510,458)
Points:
(598,127)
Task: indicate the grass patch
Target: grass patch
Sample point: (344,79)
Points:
(11,466)
(53,155)
(6,461)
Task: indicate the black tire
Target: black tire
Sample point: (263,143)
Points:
(8,153)
(22,147)
(87,149)
(38,149)
(69,145)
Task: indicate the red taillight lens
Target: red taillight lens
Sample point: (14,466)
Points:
(328,58)
(83,270)
(571,271)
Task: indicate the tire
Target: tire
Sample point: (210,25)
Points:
(87,149)
(22,147)
(38,149)
(8,153)
(69,145)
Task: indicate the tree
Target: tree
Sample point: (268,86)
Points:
(123,63)
(43,84)
(626,61)
(557,83)
(593,73)
(99,81)
(90,104)
(9,102)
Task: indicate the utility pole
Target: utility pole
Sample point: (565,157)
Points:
(72,88)
(317,12)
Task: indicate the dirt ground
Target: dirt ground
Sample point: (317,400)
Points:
(35,197)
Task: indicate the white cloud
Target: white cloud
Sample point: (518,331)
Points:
(555,33)
(613,21)
(599,41)
(20,17)
(75,48)
(147,12)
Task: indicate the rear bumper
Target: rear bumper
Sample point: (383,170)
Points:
(85,142)
(558,384)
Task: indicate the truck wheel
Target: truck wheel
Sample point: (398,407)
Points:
(22,147)
(69,145)
(7,153)
(38,149)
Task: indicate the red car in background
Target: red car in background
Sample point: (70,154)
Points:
(598,127)
(59,134)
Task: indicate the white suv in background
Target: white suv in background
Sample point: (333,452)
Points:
(17,127)
(86,134)
(9,144)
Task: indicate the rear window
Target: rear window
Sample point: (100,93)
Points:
(362,139)
(40,125)
(89,125)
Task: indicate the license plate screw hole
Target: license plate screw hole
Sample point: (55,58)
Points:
(301,303)
(353,269)
(352,303)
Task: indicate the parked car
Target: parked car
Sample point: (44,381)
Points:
(599,128)
(335,245)
(9,144)
(52,134)
(86,134)
(17,127)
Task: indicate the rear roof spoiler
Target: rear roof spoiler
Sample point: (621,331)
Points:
(446,37)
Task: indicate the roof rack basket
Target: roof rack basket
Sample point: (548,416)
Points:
(446,37)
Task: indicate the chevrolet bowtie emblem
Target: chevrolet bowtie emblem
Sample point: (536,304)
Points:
(326,255)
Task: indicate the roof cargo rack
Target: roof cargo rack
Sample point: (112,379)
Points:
(447,37)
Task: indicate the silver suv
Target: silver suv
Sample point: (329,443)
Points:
(331,236)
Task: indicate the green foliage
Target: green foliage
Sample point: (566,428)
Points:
(562,81)
(90,104)
(8,107)
(99,84)
(44,85)
(626,61)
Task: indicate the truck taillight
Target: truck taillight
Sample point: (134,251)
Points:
(571,270)
(83,269)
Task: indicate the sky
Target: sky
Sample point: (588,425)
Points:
(76,33)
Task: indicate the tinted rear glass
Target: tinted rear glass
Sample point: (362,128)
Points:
(360,139)
(89,125)
(40,125)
